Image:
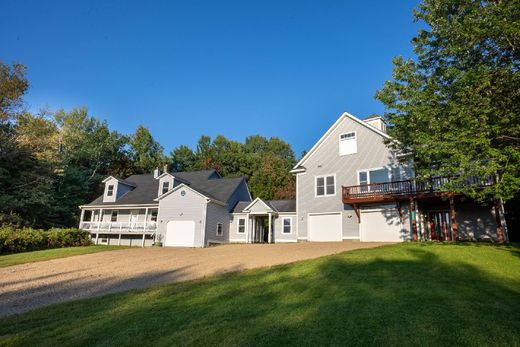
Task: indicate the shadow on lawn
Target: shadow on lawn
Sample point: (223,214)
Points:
(408,296)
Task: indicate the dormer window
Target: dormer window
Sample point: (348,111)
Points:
(347,143)
(165,187)
(110,190)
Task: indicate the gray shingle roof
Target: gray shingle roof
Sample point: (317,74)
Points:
(278,205)
(206,182)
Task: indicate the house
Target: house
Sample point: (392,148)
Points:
(185,209)
(349,186)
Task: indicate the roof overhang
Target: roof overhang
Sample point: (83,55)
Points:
(182,185)
(130,184)
(119,206)
(267,207)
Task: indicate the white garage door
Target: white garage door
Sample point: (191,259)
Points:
(325,227)
(381,225)
(180,233)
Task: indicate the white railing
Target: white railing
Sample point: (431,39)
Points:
(119,227)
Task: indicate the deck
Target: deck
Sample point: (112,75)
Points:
(134,228)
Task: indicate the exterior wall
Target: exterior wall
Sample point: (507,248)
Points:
(259,207)
(278,228)
(166,178)
(119,190)
(126,240)
(476,222)
(371,153)
(217,214)
(234,236)
(191,206)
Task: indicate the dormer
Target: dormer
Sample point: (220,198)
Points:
(377,122)
(115,188)
(166,182)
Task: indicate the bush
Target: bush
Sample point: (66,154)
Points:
(14,240)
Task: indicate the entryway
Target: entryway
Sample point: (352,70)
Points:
(440,225)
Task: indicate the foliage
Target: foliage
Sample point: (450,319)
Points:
(145,152)
(13,85)
(456,109)
(24,240)
(396,295)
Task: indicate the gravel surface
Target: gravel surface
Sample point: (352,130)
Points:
(29,286)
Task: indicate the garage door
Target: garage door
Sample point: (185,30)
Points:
(325,227)
(180,234)
(381,225)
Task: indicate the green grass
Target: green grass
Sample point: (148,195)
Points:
(408,294)
(47,254)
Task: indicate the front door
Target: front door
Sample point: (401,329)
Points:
(440,225)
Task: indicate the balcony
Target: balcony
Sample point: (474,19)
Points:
(401,190)
(137,228)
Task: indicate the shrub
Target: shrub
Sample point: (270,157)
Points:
(14,240)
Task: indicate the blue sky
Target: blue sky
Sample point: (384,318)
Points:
(187,68)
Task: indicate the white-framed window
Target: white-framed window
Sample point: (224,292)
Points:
(241,229)
(153,216)
(348,143)
(110,190)
(286,225)
(378,175)
(220,229)
(326,185)
(113,216)
(165,187)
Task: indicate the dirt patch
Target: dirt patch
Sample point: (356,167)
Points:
(28,286)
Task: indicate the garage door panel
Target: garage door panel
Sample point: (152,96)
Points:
(325,227)
(180,234)
(381,225)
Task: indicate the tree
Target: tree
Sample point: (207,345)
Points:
(182,158)
(145,152)
(455,110)
(13,85)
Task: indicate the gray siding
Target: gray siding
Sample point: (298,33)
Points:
(217,214)
(278,228)
(240,194)
(191,206)
(371,153)
(476,222)
(234,236)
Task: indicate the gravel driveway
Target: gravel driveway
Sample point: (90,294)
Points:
(28,286)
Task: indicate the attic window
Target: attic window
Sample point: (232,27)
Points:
(110,190)
(165,187)
(347,143)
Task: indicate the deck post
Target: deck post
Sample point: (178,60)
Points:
(253,231)
(81,216)
(454,224)
(269,229)
(142,243)
(119,240)
(145,219)
(413,219)
(498,219)
(97,237)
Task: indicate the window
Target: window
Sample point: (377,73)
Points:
(113,216)
(220,231)
(347,143)
(241,226)
(287,225)
(110,190)
(380,175)
(326,185)
(165,187)
(153,216)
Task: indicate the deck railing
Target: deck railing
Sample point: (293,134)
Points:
(119,227)
(406,188)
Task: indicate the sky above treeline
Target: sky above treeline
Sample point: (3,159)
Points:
(188,68)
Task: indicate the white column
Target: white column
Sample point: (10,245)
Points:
(142,243)
(269,229)
(253,232)
(100,217)
(81,216)
(247,228)
(145,219)
(119,240)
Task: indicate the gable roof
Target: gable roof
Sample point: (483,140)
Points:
(205,182)
(128,183)
(298,167)
(276,205)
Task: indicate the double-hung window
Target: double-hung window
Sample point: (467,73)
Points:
(326,185)
(379,175)
(110,190)
(287,225)
(241,226)
(113,216)
(165,187)
(220,229)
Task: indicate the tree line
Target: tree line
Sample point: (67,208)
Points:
(52,162)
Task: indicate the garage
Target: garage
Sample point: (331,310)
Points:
(325,227)
(381,224)
(180,234)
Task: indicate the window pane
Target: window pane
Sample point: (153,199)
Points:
(320,181)
(330,185)
(113,218)
(286,225)
(363,177)
(241,226)
(320,186)
(320,191)
(379,176)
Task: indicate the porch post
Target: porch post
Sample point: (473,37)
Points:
(413,218)
(253,232)
(454,224)
(119,240)
(81,216)
(142,243)
(500,230)
(269,229)
(145,219)
(247,228)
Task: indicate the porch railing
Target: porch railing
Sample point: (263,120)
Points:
(119,227)
(405,188)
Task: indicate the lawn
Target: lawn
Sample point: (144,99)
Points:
(47,254)
(408,294)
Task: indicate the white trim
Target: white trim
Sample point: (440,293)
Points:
(351,238)
(290,225)
(247,208)
(345,115)
(285,240)
(164,174)
(238,240)
(128,206)
(339,142)
(303,238)
(204,214)
(324,185)
(238,226)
